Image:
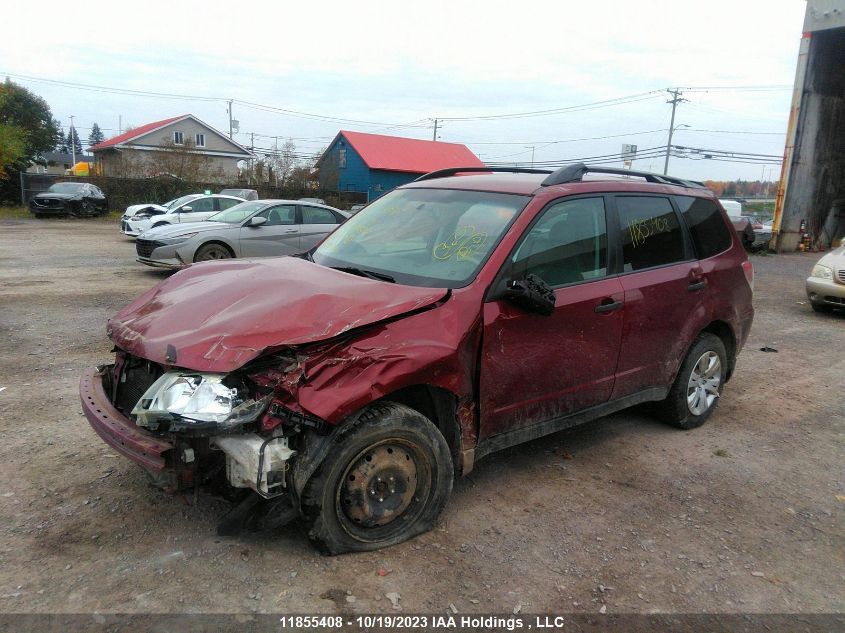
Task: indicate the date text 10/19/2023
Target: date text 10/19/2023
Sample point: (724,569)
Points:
(456,622)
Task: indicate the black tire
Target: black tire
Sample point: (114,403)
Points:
(389,450)
(677,409)
(212,251)
(821,307)
(88,209)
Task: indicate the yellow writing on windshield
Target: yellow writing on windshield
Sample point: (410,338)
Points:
(462,245)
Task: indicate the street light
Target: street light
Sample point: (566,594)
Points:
(669,144)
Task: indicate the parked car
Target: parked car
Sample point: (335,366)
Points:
(454,317)
(259,228)
(246,194)
(70,198)
(194,207)
(355,208)
(145,210)
(826,283)
(133,209)
(742,224)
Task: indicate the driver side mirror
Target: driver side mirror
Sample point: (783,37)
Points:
(185,209)
(256,221)
(532,294)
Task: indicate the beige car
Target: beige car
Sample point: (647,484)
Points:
(826,283)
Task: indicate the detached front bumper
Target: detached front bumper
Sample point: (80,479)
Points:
(117,430)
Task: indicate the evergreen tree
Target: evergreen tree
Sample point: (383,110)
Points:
(60,143)
(96,135)
(73,140)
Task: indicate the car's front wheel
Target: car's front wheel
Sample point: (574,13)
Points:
(698,385)
(386,478)
(208,252)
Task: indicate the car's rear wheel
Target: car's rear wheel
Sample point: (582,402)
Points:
(385,478)
(698,385)
(207,252)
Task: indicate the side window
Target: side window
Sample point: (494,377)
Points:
(315,215)
(650,232)
(710,234)
(283,214)
(567,244)
(202,205)
(225,203)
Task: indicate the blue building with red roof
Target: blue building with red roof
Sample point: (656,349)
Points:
(374,163)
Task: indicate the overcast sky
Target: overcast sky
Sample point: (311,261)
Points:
(392,67)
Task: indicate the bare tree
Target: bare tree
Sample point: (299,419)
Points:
(183,161)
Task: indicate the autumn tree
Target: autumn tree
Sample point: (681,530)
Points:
(27,125)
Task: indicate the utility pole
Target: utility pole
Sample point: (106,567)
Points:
(120,124)
(675,100)
(72,142)
(230,118)
(532,155)
(434,138)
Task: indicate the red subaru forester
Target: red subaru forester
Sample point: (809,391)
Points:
(456,316)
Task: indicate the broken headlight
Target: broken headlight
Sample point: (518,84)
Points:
(194,397)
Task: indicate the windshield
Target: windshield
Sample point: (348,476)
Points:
(183,200)
(238,213)
(423,237)
(66,187)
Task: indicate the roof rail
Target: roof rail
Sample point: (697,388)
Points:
(576,172)
(451,171)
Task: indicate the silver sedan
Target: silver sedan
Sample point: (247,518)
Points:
(262,228)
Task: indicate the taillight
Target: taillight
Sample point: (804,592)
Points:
(748,269)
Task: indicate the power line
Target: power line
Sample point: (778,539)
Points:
(563,110)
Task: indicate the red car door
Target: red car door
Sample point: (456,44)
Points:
(535,368)
(665,293)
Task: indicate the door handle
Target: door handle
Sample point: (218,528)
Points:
(697,285)
(290,231)
(608,306)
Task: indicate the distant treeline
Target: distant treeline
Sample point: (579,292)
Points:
(743,188)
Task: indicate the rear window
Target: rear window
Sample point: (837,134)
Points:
(651,233)
(710,235)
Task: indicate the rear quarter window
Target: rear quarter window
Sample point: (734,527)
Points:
(650,233)
(710,235)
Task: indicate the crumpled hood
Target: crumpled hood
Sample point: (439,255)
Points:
(134,209)
(217,316)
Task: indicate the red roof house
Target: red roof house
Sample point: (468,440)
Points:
(375,163)
(141,150)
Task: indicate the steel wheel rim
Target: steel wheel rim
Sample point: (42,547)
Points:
(215,252)
(704,383)
(385,493)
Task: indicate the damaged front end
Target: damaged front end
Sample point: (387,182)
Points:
(192,429)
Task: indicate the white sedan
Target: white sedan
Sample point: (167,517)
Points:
(194,207)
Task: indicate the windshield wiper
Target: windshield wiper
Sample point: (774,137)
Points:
(365,273)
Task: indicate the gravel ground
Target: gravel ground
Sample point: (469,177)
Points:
(623,515)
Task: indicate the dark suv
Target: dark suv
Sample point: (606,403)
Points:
(456,316)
